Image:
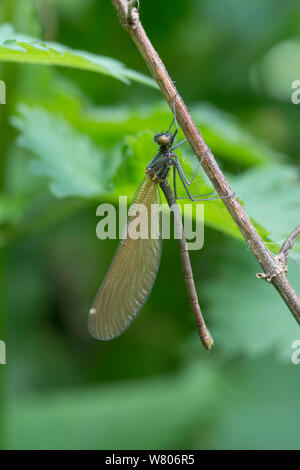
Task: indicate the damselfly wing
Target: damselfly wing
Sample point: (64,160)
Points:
(131,275)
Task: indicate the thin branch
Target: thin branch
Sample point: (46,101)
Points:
(288,244)
(269,263)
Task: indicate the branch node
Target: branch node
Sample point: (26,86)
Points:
(133,14)
(281,258)
(280,268)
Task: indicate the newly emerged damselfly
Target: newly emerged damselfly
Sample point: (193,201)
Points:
(133,270)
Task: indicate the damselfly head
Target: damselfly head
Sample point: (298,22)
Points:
(164,140)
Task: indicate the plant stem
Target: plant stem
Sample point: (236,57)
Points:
(289,243)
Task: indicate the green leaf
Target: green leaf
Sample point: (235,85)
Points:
(271,196)
(244,323)
(16,47)
(112,416)
(223,133)
(10,208)
(72,163)
(227,137)
(259,406)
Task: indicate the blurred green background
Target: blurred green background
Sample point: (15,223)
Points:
(72,139)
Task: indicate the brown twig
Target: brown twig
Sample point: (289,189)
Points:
(288,244)
(270,264)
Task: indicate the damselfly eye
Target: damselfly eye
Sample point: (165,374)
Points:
(164,140)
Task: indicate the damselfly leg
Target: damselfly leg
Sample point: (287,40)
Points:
(196,171)
(180,143)
(177,168)
(174,121)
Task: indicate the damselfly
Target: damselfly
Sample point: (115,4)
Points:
(133,270)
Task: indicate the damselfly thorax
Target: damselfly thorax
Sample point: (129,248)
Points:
(159,167)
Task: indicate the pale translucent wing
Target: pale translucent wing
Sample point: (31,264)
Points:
(130,277)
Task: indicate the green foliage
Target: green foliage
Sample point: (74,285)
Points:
(16,47)
(251,325)
(71,140)
(148,405)
(227,137)
(10,208)
(279,68)
(223,133)
(272,198)
(73,164)
(254,414)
